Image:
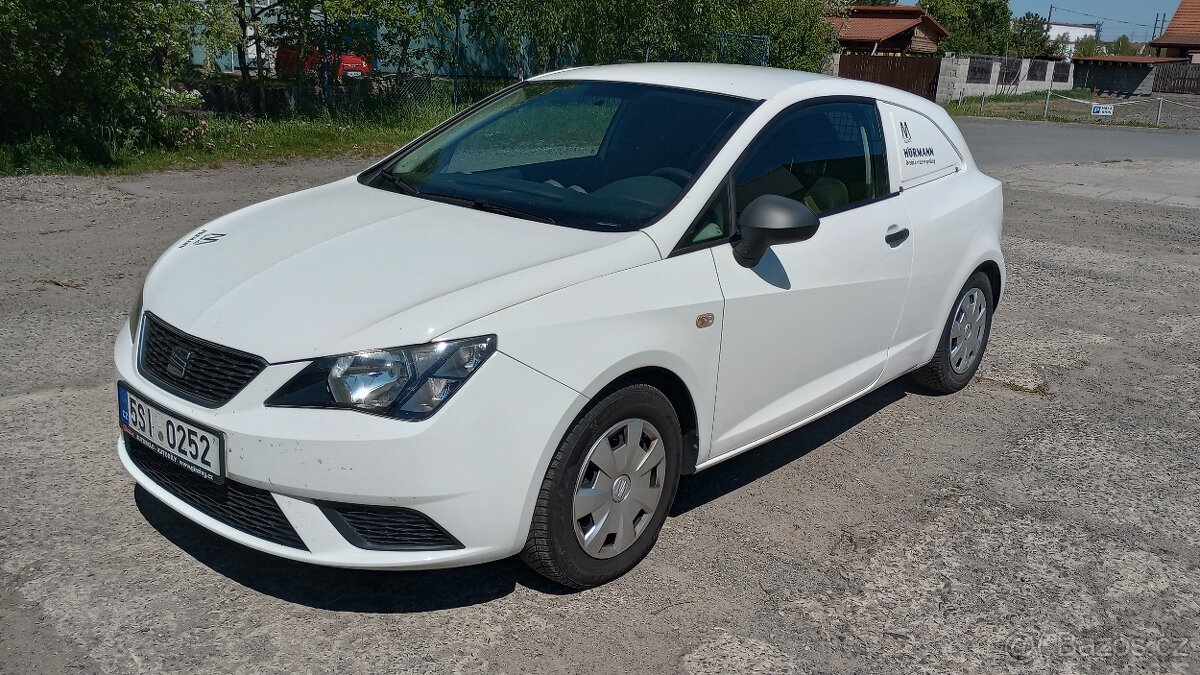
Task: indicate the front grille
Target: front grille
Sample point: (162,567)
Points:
(387,528)
(210,374)
(239,506)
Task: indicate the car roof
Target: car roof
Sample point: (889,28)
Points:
(754,82)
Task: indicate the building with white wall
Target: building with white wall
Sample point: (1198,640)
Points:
(1074,32)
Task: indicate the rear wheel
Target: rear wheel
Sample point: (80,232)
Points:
(964,339)
(608,489)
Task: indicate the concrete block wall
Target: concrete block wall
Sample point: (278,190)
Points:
(952,81)
(832,65)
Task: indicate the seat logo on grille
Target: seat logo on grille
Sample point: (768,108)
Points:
(178,362)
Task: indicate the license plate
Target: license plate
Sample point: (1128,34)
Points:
(353,73)
(191,446)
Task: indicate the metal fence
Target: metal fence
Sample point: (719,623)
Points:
(383,94)
(744,48)
(1158,110)
(463,73)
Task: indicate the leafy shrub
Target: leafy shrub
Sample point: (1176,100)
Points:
(89,74)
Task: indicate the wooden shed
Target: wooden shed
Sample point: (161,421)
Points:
(891,30)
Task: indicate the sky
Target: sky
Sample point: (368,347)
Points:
(1115,11)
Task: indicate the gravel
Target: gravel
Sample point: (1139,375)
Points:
(1179,111)
(1044,520)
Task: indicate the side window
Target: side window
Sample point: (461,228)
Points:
(830,156)
(713,224)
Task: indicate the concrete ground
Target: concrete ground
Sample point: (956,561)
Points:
(1046,519)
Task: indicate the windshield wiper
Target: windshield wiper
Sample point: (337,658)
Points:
(401,184)
(477,204)
(505,210)
(486,206)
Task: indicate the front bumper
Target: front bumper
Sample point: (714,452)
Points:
(474,468)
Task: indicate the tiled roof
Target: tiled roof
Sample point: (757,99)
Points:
(871,29)
(868,23)
(1184,28)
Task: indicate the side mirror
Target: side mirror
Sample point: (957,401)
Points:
(771,220)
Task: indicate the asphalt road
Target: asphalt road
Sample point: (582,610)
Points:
(1047,519)
(998,143)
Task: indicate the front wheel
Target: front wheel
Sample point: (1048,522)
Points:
(964,339)
(608,489)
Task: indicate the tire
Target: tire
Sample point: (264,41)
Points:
(952,369)
(595,548)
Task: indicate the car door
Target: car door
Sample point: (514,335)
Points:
(810,326)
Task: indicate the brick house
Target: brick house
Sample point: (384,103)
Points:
(1182,37)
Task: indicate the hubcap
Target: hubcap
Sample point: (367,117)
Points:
(619,488)
(967,330)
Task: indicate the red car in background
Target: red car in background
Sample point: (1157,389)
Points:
(340,65)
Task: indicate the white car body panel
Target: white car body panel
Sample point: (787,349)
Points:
(956,228)
(639,318)
(346,267)
(351,267)
(448,467)
(810,325)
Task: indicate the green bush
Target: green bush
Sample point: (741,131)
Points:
(86,79)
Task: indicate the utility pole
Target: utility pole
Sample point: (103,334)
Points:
(1050,75)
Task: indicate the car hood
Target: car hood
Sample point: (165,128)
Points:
(346,267)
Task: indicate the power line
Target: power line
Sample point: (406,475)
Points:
(1102,18)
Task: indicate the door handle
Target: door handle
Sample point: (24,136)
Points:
(894,239)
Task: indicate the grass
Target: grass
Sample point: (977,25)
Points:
(1033,101)
(1032,106)
(213,141)
(216,140)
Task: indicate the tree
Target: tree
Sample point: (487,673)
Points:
(218,31)
(1029,37)
(89,75)
(545,35)
(1122,46)
(553,33)
(1087,46)
(1061,45)
(975,26)
(383,29)
(801,37)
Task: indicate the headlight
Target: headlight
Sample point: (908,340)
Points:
(135,317)
(405,382)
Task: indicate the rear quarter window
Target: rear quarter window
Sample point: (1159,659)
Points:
(922,151)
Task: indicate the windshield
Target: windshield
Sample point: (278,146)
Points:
(595,155)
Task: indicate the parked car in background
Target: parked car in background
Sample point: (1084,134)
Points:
(514,335)
(287,63)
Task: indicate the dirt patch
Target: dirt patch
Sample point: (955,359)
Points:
(991,531)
